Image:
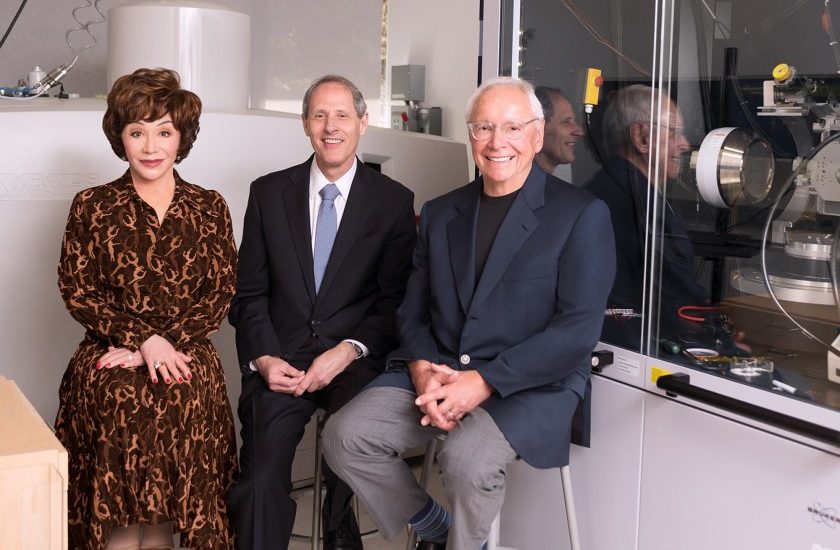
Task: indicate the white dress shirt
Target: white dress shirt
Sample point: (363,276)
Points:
(317,181)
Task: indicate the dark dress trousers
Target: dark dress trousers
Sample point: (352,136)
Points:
(276,312)
(530,323)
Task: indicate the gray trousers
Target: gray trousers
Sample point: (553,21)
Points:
(364,440)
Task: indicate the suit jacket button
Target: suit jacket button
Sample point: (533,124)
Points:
(465,359)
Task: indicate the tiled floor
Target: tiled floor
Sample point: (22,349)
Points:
(303,521)
(303,525)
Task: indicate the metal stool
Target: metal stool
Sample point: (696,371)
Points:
(317,484)
(317,493)
(493,540)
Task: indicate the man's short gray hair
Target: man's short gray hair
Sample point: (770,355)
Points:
(358,99)
(627,105)
(523,85)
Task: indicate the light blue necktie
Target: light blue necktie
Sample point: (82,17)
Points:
(325,228)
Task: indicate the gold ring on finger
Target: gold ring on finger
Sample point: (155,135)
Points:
(158,365)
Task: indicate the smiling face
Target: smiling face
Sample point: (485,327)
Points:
(333,128)
(673,144)
(505,162)
(665,146)
(151,148)
(561,135)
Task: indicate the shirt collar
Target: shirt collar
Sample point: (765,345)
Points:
(317,180)
(184,191)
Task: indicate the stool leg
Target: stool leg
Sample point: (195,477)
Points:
(493,539)
(356,510)
(425,473)
(316,488)
(571,517)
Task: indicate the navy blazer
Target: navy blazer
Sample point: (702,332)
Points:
(275,309)
(532,321)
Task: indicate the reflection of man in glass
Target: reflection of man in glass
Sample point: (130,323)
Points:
(562,131)
(640,162)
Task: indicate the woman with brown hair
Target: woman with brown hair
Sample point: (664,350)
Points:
(148,267)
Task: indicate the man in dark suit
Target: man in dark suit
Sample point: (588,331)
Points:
(503,307)
(323,265)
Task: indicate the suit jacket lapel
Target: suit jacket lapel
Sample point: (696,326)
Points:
(461,236)
(356,211)
(296,201)
(519,223)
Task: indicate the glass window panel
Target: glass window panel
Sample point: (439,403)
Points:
(713,144)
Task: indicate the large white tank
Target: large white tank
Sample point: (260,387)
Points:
(209,46)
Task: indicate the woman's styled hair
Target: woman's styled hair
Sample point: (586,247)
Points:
(149,94)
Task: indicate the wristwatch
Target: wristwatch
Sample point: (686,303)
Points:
(359,351)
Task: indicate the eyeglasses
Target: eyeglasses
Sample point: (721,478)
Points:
(674,132)
(482,131)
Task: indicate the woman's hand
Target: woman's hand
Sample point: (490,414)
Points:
(120,357)
(162,358)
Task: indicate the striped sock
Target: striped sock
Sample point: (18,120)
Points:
(432,522)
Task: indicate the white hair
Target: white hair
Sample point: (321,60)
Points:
(628,105)
(523,85)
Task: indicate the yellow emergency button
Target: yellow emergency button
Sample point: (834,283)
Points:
(781,72)
(592,87)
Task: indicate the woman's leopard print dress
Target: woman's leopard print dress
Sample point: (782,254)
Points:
(143,452)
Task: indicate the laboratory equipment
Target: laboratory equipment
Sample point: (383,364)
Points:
(408,85)
(686,453)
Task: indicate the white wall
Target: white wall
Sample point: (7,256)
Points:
(444,36)
(292,43)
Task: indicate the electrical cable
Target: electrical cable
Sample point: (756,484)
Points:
(592,139)
(578,14)
(768,22)
(788,184)
(12,24)
(831,266)
(682,312)
(84,27)
(828,27)
(723,28)
(749,220)
(54,76)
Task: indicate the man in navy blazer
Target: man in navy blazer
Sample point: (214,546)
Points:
(323,266)
(503,308)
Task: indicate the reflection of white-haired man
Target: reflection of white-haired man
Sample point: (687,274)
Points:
(504,306)
(562,131)
(641,160)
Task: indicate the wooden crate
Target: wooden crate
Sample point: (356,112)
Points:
(33,477)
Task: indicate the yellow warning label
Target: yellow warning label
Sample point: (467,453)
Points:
(656,372)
